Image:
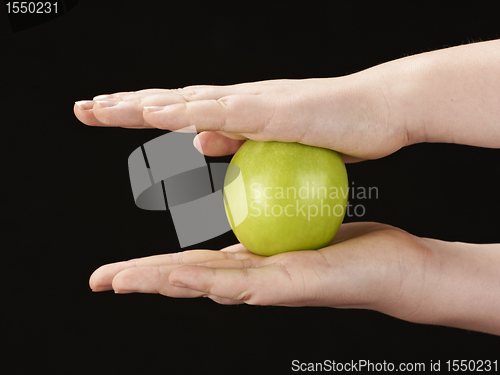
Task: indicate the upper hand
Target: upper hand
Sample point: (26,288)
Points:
(347,114)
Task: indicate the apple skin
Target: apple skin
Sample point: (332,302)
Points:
(285,196)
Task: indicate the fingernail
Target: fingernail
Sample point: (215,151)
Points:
(104,97)
(197,144)
(106,103)
(85,105)
(154,108)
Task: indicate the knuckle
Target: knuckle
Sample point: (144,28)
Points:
(245,294)
(226,102)
(226,255)
(232,101)
(247,263)
(195,92)
(232,108)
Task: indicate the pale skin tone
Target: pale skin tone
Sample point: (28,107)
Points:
(451,95)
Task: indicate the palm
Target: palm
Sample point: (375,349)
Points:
(365,264)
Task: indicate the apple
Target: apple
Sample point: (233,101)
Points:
(281,196)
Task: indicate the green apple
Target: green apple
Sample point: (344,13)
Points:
(285,196)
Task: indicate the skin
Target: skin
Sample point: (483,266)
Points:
(430,97)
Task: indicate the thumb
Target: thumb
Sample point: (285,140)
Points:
(265,285)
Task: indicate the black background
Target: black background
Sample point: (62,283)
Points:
(69,208)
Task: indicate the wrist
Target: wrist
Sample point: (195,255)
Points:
(377,112)
(459,286)
(398,85)
(449,95)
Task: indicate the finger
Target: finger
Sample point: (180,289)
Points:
(150,97)
(207,92)
(84,108)
(266,285)
(235,263)
(153,279)
(131,95)
(123,109)
(84,111)
(235,248)
(117,111)
(221,144)
(242,114)
(194,257)
(113,112)
(102,278)
(215,144)
(186,94)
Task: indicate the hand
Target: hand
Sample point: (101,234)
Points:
(348,114)
(367,265)
(430,97)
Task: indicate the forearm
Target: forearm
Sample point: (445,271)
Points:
(461,286)
(450,95)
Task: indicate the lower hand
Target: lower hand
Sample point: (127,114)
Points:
(367,265)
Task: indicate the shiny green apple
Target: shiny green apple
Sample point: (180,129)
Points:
(283,197)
